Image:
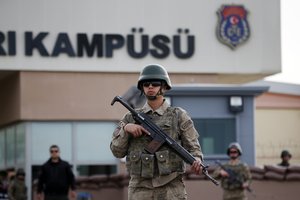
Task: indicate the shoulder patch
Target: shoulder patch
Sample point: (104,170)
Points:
(187,124)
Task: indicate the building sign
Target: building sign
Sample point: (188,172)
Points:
(123,36)
(233,27)
(99,45)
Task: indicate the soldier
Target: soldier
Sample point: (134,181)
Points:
(158,175)
(285,158)
(235,175)
(17,189)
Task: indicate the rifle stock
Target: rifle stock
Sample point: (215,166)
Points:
(160,137)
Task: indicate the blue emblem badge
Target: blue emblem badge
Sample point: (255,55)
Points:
(233,28)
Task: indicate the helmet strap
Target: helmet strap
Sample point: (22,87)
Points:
(152,98)
(234,157)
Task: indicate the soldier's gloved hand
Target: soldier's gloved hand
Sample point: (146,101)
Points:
(196,166)
(135,130)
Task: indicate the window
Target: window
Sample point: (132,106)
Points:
(10,147)
(92,142)
(45,134)
(215,134)
(83,144)
(2,149)
(20,144)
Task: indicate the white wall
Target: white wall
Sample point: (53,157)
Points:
(259,55)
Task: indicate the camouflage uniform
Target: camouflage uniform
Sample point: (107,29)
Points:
(234,190)
(159,175)
(17,190)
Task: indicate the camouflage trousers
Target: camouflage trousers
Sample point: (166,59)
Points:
(234,195)
(241,198)
(175,190)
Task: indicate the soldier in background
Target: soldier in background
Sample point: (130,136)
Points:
(17,189)
(285,158)
(235,175)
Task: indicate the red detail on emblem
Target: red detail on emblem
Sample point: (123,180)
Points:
(234,20)
(233,28)
(234,10)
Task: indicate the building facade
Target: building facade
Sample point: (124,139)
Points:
(277,123)
(61,64)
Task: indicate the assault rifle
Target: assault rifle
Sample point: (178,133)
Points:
(159,137)
(233,176)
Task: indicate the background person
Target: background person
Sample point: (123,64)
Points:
(285,158)
(235,175)
(17,189)
(3,191)
(3,185)
(56,178)
(158,175)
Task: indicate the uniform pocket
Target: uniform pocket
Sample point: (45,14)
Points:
(147,165)
(163,162)
(135,163)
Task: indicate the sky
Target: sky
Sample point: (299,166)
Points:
(290,43)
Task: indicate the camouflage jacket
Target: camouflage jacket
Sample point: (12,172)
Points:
(155,170)
(17,190)
(239,174)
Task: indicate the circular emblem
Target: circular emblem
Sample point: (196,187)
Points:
(233,28)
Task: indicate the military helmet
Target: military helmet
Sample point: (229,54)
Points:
(285,153)
(20,172)
(154,72)
(236,146)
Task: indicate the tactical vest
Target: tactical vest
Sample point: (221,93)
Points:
(19,190)
(164,161)
(236,179)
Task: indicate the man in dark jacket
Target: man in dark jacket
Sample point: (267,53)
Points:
(56,178)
